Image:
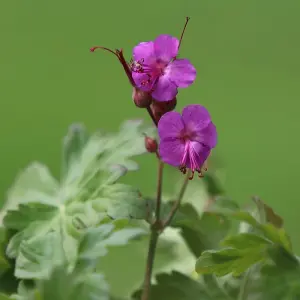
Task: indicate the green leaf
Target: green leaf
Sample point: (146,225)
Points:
(3,236)
(45,212)
(275,282)
(135,207)
(8,282)
(212,185)
(25,291)
(104,159)
(73,144)
(222,202)
(95,241)
(215,288)
(284,259)
(4,264)
(269,215)
(201,232)
(64,286)
(243,216)
(276,235)
(244,241)
(243,250)
(176,286)
(82,281)
(229,260)
(93,246)
(105,150)
(29,213)
(34,184)
(37,258)
(4,297)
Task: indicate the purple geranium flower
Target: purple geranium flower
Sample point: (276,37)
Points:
(186,141)
(155,68)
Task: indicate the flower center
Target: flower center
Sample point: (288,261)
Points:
(159,67)
(153,71)
(190,157)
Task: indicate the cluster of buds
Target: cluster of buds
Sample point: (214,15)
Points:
(155,74)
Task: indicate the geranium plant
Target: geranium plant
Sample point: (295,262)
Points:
(55,233)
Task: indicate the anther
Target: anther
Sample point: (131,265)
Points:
(137,66)
(182,169)
(192,175)
(200,175)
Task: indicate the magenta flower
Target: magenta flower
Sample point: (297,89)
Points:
(155,68)
(186,141)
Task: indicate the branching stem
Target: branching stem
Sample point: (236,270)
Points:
(154,235)
(177,203)
(158,225)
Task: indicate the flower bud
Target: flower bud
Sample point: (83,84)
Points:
(160,108)
(150,144)
(141,99)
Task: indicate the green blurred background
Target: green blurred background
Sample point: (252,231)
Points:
(246,54)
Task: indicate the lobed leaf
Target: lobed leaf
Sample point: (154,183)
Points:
(201,232)
(268,213)
(244,241)
(229,260)
(46,213)
(175,286)
(268,230)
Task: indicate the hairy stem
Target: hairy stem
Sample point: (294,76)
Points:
(149,266)
(155,230)
(159,190)
(177,202)
(152,116)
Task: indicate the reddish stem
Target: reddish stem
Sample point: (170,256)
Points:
(184,28)
(119,54)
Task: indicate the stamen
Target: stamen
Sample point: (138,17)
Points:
(139,66)
(153,72)
(182,169)
(192,175)
(200,174)
(191,154)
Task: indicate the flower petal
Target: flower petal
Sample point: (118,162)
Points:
(208,136)
(170,125)
(195,117)
(139,78)
(166,47)
(182,72)
(200,154)
(171,151)
(144,51)
(164,90)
